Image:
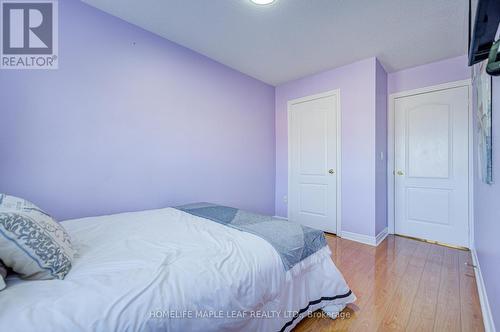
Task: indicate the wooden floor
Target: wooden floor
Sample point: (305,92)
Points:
(403,285)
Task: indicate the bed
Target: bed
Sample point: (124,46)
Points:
(169,270)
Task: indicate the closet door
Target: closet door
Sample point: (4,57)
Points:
(313,163)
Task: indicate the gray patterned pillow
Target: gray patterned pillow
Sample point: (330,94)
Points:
(3,275)
(32,243)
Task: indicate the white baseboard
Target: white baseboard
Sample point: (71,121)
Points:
(381,236)
(366,239)
(362,238)
(489,325)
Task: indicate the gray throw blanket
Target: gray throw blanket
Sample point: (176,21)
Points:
(292,241)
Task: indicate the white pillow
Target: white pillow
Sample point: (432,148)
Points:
(32,243)
(13,203)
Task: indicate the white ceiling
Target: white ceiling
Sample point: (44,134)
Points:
(294,38)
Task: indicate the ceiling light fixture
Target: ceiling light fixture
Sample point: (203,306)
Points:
(262,2)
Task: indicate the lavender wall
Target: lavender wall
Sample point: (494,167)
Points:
(124,127)
(357,96)
(487,215)
(448,70)
(380,149)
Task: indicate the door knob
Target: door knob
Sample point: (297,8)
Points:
(400,173)
(331,171)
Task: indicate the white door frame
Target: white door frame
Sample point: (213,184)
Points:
(336,93)
(391,149)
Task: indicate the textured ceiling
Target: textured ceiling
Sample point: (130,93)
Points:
(293,38)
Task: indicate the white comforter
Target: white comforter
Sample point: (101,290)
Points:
(166,270)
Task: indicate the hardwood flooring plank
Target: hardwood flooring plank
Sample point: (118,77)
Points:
(423,311)
(387,272)
(448,302)
(402,285)
(471,315)
(399,308)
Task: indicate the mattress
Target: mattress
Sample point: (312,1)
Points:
(167,270)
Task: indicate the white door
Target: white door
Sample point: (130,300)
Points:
(432,166)
(312,194)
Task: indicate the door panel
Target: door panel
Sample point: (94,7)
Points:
(313,199)
(428,141)
(431,166)
(313,141)
(428,205)
(313,152)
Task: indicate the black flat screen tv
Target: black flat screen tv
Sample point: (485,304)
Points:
(483,25)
